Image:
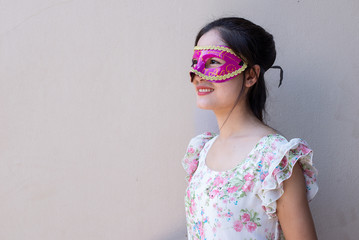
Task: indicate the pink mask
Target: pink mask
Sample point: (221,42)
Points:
(230,69)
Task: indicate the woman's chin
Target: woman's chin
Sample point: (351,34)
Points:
(205,106)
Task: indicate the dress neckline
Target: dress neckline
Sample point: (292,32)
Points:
(246,159)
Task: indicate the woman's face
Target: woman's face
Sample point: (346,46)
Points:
(211,95)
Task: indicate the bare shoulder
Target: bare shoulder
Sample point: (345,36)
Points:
(262,131)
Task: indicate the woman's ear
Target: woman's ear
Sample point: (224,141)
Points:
(252,76)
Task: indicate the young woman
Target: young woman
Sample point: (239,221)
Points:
(247,182)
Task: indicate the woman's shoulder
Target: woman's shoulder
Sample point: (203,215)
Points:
(195,146)
(204,137)
(197,143)
(273,147)
(277,141)
(278,157)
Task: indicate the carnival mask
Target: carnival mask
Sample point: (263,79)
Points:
(231,68)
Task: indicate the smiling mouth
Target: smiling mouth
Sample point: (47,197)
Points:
(205,90)
(202,91)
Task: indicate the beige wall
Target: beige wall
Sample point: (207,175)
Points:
(96,111)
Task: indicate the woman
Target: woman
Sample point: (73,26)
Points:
(247,182)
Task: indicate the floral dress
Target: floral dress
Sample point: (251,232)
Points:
(240,203)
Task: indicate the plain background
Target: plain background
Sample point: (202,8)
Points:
(96,111)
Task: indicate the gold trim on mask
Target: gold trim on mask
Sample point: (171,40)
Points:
(223,77)
(219,78)
(214,48)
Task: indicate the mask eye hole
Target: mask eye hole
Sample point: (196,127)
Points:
(194,62)
(214,63)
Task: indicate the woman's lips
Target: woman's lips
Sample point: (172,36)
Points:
(204,90)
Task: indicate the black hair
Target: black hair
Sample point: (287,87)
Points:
(255,46)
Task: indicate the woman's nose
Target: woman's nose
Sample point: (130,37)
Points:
(197,79)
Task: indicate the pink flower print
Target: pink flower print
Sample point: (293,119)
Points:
(276,171)
(249,177)
(192,166)
(191,150)
(245,218)
(213,193)
(284,162)
(251,226)
(273,145)
(192,208)
(247,186)
(228,214)
(232,189)
(304,149)
(269,159)
(309,173)
(218,181)
(263,176)
(238,226)
(200,229)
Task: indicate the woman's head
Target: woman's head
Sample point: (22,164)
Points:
(253,45)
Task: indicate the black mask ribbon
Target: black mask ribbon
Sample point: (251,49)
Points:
(281,74)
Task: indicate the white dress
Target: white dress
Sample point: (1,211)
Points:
(240,203)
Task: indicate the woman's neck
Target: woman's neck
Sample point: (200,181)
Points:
(240,122)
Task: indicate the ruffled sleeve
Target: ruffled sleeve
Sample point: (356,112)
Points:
(278,167)
(195,146)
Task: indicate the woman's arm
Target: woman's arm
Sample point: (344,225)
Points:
(293,210)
